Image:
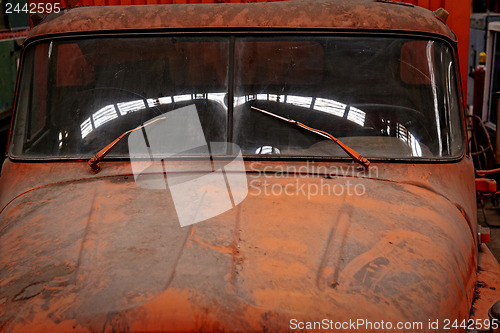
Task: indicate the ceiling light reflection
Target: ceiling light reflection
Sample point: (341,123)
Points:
(104,115)
(109,112)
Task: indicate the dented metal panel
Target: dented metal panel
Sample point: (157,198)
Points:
(118,260)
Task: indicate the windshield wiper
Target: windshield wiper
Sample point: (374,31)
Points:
(94,161)
(356,156)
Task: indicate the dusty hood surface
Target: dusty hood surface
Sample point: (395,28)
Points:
(105,254)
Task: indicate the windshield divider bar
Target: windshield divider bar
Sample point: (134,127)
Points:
(230,95)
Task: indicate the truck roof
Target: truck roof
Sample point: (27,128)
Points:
(361,15)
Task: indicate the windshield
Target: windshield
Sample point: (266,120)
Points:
(384,97)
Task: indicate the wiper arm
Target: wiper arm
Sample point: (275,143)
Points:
(94,161)
(356,156)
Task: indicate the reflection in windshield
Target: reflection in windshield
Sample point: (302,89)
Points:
(104,115)
(429,55)
(355,115)
(337,109)
(112,111)
(410,139)
(128,107)
(319,104)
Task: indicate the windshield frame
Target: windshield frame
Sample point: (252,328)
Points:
(231,35)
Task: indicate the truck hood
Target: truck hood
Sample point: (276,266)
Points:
(105,254)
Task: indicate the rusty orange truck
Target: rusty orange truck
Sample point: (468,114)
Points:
(254,167)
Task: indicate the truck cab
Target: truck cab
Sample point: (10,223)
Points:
(295,165)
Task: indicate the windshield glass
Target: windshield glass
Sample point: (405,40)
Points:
(385,97)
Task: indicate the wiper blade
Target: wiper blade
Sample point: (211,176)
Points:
(351,152)
(94,161)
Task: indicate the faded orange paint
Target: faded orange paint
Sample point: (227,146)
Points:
(319,257)
(333,15)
